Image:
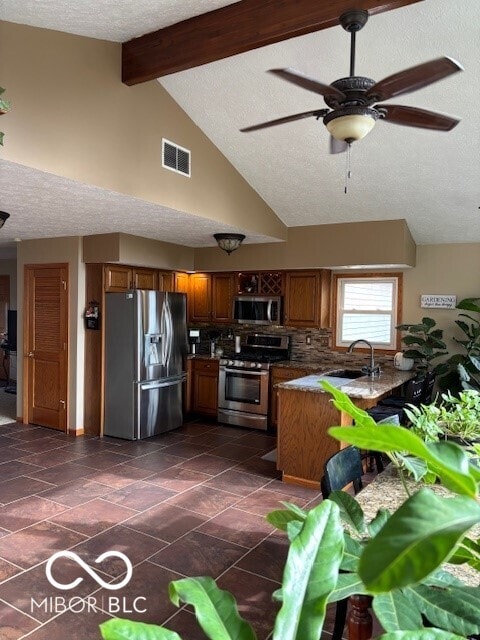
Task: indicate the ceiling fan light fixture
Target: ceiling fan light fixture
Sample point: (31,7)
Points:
(350,125)
(229,241)
(3,217)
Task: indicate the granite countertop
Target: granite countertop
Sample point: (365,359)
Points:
(386,490)
(363,387)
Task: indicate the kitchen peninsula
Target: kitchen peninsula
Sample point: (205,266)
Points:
(305,413)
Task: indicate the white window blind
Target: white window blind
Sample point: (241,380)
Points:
(367,308)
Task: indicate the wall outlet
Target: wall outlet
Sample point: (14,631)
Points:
(308,339)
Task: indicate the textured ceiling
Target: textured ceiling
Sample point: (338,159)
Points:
(48,206)
(116,20)
(430,178)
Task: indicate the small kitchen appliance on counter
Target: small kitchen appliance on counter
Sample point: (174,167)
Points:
(193,339)
(243,383)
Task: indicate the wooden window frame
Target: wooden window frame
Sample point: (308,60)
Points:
(372,276)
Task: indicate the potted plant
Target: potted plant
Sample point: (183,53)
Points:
(464,368)
(424,343)
(397,559)
(456,418)
(4,107)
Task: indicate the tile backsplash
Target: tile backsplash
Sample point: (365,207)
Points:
(319,349)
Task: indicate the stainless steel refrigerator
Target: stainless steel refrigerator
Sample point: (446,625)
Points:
(145,350)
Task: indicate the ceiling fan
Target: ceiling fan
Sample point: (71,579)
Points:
(352,100)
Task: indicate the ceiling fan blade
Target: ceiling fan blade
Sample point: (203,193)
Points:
(300,79)
(413,117)
(337,146)
(414,78)
(318,113)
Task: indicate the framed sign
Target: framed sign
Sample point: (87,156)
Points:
(437,301)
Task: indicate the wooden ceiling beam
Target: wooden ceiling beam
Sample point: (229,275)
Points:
(236,28)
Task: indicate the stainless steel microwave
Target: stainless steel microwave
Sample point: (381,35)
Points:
(257,309)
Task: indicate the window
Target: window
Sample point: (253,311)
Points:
(367,307)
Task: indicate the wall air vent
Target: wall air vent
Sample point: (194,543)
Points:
(175,158)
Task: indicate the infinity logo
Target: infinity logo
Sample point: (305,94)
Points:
(89,570)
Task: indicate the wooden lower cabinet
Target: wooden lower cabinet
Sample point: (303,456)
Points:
(277,375)
(205,386)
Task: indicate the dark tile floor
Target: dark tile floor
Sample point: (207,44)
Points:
(191,502)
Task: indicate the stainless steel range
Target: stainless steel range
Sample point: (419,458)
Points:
(243,382)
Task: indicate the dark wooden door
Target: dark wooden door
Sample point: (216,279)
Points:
(45,345)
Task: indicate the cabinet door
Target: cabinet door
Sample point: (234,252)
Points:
(280,374)
(200,297)
(181,282)
(222,296)
(118,277)
(302,299)
(205,387)
(325,314)
(145,279)
(166,281)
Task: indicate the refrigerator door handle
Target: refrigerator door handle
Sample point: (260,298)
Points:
(145,386)
(169,331)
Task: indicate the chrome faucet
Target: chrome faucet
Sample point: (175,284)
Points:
(371,370)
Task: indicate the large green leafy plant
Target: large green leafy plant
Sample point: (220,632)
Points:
(464,368)
(424,343)
(397,558)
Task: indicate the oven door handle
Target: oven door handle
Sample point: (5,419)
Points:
(245,371)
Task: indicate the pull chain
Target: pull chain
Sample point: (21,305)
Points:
(348,172)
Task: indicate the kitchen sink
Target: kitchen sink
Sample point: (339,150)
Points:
(351,374)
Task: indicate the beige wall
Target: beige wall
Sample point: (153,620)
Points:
(442,269)
(314,247)
(73,117)
(58,250)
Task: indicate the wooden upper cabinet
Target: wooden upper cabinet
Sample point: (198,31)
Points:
(181,282)
(118,277)
(145,278)
(307,298)
(222,296)
(166,281)
(200,297)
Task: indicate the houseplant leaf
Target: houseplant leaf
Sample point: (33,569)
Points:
(416,539)
(119,629)
(420,634)
(378,521)
(394,438)
(215,609)
(348,584)
(454,609)
(310,575)
(395,612)
(351,512)
(351,553)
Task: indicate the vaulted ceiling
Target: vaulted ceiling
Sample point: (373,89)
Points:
(429,178)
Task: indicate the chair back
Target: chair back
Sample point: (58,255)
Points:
(341,469)
(428,384)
